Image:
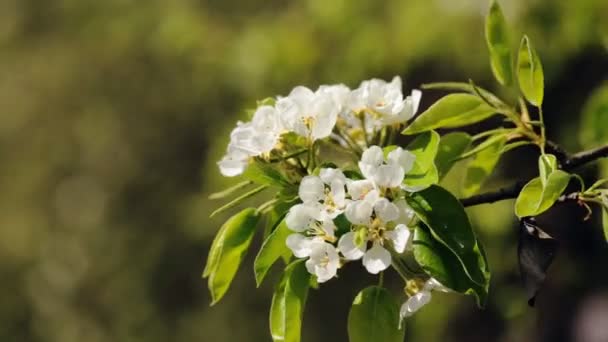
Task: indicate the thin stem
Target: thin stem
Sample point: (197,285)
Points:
(381,279)
(543,136)
(288,156)
(230,190)
(238,200)
(397,268)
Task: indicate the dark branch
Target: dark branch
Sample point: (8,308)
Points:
(568,163)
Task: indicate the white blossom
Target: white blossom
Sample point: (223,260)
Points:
(385,101)
(377,215)
(420,299)
(250,139)
(323,259)
(309,114)
(386,172)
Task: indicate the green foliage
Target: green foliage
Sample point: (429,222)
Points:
(272,249)
(535,198)
(288,303)
(454,110)
(228,250)
(451,146)
(442,264)
(424,173)
(374,316)
(449,224)
(605,222)
(497,38)
(594,127)
(547,163)
(265,174)
(482,165)
(530,73)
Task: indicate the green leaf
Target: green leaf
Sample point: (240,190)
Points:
(492,140)
(547,163)
(272,249)
(374,317)
(451,146)
(424,173)
(228,250)
(497,38)
(445,216)
(454,110)
(481,166)
(229,191)
(593,130)
(265,174)
(466,87)
(530,73)
(424,147)
(442,264)
(288,303)
(535,199)
(275,216)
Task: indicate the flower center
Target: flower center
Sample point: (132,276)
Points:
(377,230)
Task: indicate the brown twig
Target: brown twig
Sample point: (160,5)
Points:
(568,163)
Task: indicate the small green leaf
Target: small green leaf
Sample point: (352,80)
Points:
(238,200)
(228,250)
(288,303)
(272,249)
(530,73)
(535,199)
(454,110)
(424,172)
(593,130)
(490,141)
(451,146)
(445,216)
(547,163)
(442,264)
(264,174)
(424,147)
(229,191)
(497,38)
(374,317)
(482,165)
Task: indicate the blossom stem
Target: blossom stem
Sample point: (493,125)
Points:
(400,271)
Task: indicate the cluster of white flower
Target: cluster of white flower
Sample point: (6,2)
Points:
(316,115)
(378,217)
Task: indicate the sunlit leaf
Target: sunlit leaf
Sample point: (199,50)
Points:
(265,174)
(288,301)
(481,166)
(547,163)
(497,39)
(228,250)
(451,146)
(424,173)
(374,316)
(530,73)
(445,216)
(454,110)
(272,249)
(535,199)
(442,264)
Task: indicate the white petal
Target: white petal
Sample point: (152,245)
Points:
(385,210)
(324,261)
(338,193)
(389,176)
(359,212)
(415,96)
(328,175)
(406,213)
(348,248)
(299,244)
(325,116)
(230,167)
(311,189)
(328,226)
(358,189)
(299,217)
(414,303)
(400,237)
(371,159)
(376,259)
(403,158)
(435,285)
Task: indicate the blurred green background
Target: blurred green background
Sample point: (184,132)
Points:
(113,114)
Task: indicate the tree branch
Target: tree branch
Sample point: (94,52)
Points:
(568,163)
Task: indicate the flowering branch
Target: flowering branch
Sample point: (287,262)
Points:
(568,163)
